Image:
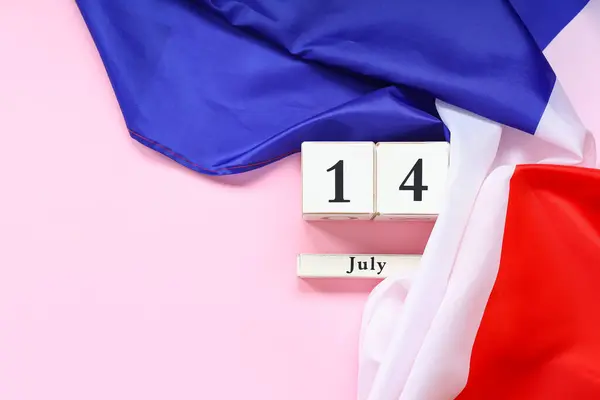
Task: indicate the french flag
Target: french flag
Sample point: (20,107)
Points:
(506,304)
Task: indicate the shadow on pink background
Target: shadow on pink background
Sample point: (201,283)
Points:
(125,276)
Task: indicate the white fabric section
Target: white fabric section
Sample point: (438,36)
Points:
(386,358)
(417,336)
(560,117)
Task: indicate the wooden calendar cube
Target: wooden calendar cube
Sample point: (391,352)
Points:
(411,179)
(338,180)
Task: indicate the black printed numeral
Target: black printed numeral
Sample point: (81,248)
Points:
(417,187)
(339,182)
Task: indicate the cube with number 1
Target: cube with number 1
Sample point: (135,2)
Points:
(338,180)
(411,179)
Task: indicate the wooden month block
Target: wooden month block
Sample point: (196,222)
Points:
(356,265)
(338,180)
(411,179)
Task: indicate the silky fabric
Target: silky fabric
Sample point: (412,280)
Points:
(228,86)
(538,337)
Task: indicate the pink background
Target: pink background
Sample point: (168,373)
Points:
(126,276)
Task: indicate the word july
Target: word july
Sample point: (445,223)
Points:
(356,265)
(364,265)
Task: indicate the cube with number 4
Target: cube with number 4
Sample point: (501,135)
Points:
(411,179)
(338,180)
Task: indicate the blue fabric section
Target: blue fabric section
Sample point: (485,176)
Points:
(546,18)
(228,86)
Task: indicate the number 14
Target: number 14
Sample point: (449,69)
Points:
(417,187)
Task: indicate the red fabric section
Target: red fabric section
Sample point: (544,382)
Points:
(540,334)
